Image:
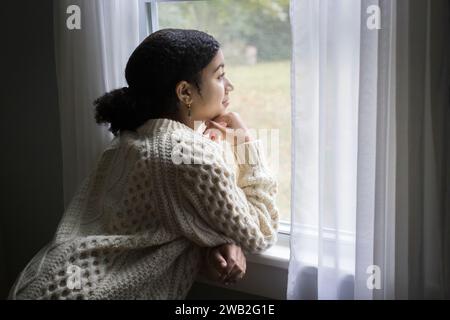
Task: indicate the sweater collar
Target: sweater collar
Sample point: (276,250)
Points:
(163,124)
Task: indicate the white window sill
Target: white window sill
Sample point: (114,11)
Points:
(266,272)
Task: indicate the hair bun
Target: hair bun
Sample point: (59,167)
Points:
(118,108)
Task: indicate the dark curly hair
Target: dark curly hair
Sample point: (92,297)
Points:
(154,68)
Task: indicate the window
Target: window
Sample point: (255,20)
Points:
(256,41)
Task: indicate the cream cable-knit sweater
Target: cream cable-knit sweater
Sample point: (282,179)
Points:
(138,224)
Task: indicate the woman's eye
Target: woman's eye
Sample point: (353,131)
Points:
(222,75)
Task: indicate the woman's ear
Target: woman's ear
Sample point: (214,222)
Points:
(183,91)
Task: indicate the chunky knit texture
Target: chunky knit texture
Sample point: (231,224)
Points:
(138,225)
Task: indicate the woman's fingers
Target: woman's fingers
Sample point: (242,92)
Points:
(235,275)
(231,264)
(240,268)
(219,261)
(217,264)
(222,123)
(229,252)
(229,261)
(215,125)
(213,134)
(223,118)
(237,272)
(234,136)
(215,130)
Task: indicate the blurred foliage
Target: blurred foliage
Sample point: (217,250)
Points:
(236,24)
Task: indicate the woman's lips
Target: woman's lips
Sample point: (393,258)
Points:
(226,103)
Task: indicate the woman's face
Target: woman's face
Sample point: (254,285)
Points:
(215,88)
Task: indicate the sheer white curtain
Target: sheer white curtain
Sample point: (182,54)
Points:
(89,62)
(325,87)
(352,218)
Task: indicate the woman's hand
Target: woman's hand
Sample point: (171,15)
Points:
(214,134)
(229,126)
(226,263)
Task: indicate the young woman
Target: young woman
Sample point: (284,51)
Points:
(162,199)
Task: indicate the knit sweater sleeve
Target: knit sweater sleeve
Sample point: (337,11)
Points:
(236,209)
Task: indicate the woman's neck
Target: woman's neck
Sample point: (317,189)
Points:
(180,117)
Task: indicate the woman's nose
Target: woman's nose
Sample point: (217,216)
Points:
(229,86)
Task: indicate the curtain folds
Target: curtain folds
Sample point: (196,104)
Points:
(370,110)
(89,62)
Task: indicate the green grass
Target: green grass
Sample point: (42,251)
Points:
(262,97)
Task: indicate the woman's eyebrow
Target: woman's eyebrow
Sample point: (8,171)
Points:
(218,67)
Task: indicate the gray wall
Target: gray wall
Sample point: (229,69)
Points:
(31,170)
